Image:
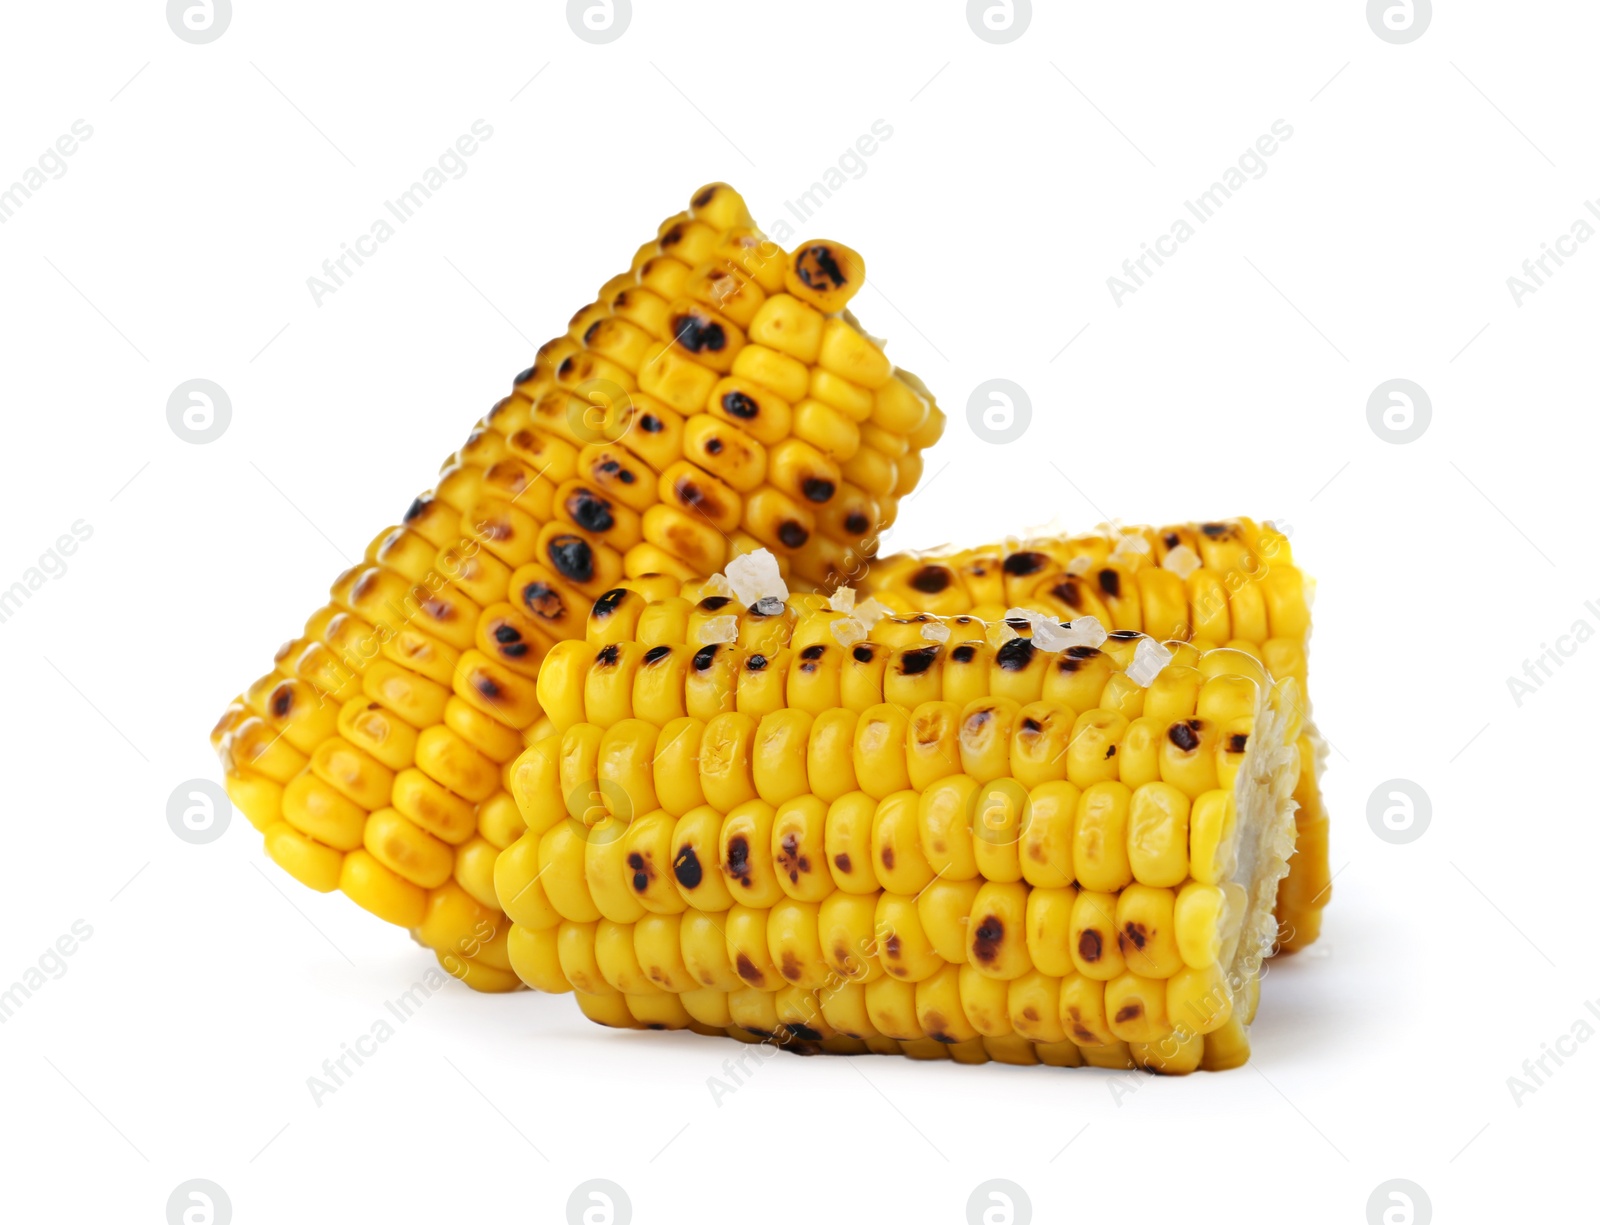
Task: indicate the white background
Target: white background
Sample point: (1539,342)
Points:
(1377,245)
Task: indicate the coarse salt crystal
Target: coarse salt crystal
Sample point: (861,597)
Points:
(716,585)
(849,631)
(1181,560)
(755,576)
(1086,632)
(936,631)
(769,606)
(869,612)
(1080,564)
(843,599)
(1149,657)
(719,629)
(1050,635)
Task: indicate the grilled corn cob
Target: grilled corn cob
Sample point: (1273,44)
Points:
(1231,583)
(715,399)
(807,822)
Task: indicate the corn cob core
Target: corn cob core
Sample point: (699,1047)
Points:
(923,835)
(715,399)
(1230,583)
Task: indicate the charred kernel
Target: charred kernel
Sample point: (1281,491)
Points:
(737,404)
(488,688)
(686,868)
(915,663)
(790,969)
(657,654)
(931,580)
(814,651)
(636,862)
(588,335)
(704,656)
(1183,734)
(1111,751)
(1067,592)
(891,946)
(687,491)
(573,557)
(963,654)
(887,855)
(416,508)
(817,266)
(704,198)
(672,237)
(856,523)
(1110,583)
(641,881)
(1089,946)
(1082,652)
(542,600)
(1237,742)
(607,604)
(1031,724)
(745,968)
(805,1032)
(608,655)
(738,857)
(714,446)
(1015,656)
(1130,1011)
(756,663)
(792,534)
(862,655)
(816,489)
(1022,564)
(842,862)
(1214,529)
(1171,540)
(650,423)
(283,698)
(986,939)
(524,376)
(590,513)
(713,602)
(697,334)
(1133,935)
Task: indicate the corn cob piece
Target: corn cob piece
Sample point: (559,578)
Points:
(847,832)
(1231,583)
(715,399)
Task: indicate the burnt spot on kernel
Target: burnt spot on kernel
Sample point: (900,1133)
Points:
(572,557)
(817,266)
(713,602)
(713,446)
(1131,1011)
(1171,540)
(282,700)
(813,652)
(588,335)
(524,375)
(804,1032)
(739,859)
(608,603)
(891,946)
(656,654)
(486,686)
(510,639)
(1089,946)
(705,197)
(542,600)
(565,369)
(816,489)
(862,655)
(756,663)
(698,334)
(1215,530)
(686,868)
(746,970)
(1238,741)
(1068,592)
(737,404)
(1030,724)
(1184,735)
(790,966)
(842,862)
(963,654)
(856,523)
(1124,635)
(650,423)
(1015,656)
(791,860)
(1111,751)
(672,237)
(1132,935)
(1030,1013)
(607,656)
(792,534)
(1019,565)
(986,938)
(931,580)
(887,855)
(704,657)
(414,511)
(934,1024)
(1110,582)
(641,881)
(590,513)
(688,492)
(918,661)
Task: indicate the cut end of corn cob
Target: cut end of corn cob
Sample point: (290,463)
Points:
(1228,583)
(714,400)
(826,826)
